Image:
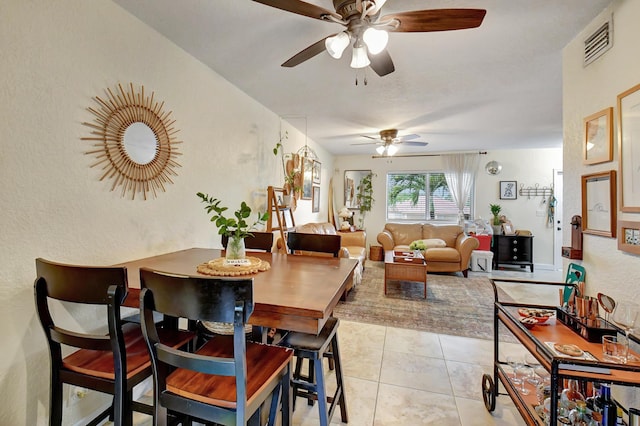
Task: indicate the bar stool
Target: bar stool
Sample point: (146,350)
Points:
(314,348)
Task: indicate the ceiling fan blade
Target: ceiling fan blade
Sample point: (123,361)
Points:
(300,8)
(408,137)
(306,54)
(436,20)
(382,63)
(368,143)
(416,143)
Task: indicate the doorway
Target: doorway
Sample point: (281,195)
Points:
(557,220)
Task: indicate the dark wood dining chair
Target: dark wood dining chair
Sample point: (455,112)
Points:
(111,363)
(301,243)
(226,380)
(315,348)
(257,241)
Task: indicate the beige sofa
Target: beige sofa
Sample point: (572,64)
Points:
(453,247)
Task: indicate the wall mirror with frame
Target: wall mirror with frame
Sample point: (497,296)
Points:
(352,180)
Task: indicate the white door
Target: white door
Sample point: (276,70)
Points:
(557,220)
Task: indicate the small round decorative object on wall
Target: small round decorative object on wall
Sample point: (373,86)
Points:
(134,141)
(493,167)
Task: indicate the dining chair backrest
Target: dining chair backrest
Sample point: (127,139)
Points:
(314,243)
(227,379)
(256,241)
(100,361)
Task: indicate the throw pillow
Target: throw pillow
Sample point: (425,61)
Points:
(427,244)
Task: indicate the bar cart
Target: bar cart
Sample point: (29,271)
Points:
(539,340)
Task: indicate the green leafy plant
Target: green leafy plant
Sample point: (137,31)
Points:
(289,178)
(365,197)
(236,226)
(495,211)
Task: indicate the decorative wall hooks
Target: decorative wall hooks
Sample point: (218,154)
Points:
(535,191)
(134,141)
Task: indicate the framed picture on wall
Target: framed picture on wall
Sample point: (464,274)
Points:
(508,190)
(599,203)
(629,236)
(315,174)
(307,178)
(598,137)
(288,218)
(628,151)
(315,203)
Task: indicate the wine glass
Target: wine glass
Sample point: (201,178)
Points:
(625,316)
(522,374)
(514,362)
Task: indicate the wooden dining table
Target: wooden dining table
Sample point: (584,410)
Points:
(298,293)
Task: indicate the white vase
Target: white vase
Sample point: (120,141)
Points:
(235,248)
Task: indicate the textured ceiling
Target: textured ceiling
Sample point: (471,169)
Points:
(494,87)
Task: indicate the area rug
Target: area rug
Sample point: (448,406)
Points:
(454,305)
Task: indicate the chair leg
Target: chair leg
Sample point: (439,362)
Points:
(339,379)
(275,400)
(321,392)
(55,401)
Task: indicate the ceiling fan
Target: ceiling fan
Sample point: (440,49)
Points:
(368,31)
(389,141)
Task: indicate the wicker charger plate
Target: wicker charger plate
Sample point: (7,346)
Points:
(217,267)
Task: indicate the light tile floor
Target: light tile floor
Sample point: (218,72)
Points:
(403,377)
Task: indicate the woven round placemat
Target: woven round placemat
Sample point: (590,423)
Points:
(217,267)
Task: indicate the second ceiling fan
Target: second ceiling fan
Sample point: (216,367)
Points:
(389,141)
(368,32)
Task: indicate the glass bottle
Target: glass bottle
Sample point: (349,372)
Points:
(609,408)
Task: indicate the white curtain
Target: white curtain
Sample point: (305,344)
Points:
(460,172)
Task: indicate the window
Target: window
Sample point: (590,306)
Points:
(421,197)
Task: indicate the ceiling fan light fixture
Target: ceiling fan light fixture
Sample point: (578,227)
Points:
(360,58)
(375,39)
(335,45)
(391,150)
(380,150)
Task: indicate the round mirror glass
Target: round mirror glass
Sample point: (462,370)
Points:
(493,167)
(140,143)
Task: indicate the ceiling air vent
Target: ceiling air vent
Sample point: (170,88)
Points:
(599,42)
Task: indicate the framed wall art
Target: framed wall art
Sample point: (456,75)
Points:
(629,149)
(288,218)
(508,190)
(307,178)
(599,203)
(315,203)
(597,146)
(315,172)
(629,236)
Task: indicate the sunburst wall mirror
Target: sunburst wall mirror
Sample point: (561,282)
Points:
(134,142)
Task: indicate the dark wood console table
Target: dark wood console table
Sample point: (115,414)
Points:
(513,250)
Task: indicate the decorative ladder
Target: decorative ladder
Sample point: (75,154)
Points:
(277,209)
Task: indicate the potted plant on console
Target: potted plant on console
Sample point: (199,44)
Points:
(496,223)
(235,228)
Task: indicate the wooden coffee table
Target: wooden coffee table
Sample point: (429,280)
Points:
(405,266)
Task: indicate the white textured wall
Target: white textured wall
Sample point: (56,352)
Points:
(55,58)
(524,166)
(586,91)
